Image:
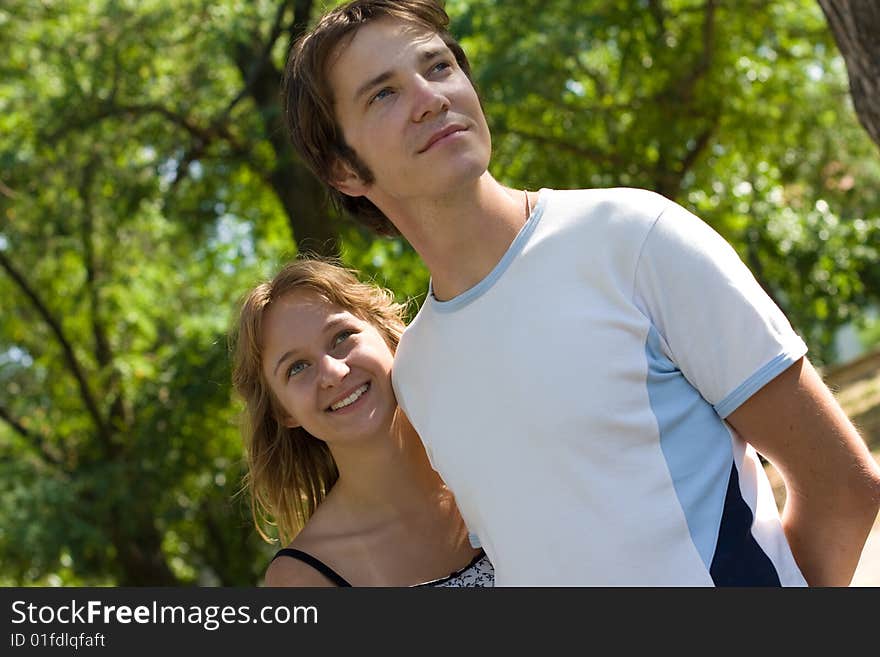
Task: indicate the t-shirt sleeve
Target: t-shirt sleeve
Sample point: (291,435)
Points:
(715,322)
(398,372)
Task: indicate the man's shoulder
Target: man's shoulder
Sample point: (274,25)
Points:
(618,191)
(619,215)
(634,198)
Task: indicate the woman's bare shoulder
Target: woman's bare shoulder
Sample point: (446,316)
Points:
(320,540)
(289,571)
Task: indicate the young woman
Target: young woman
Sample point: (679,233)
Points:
(332,461)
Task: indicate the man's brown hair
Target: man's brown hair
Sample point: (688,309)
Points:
(307,97)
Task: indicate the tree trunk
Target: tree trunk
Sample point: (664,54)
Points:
(855,25)
(300,192)
(140,557)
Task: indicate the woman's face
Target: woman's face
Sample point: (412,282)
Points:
(330,370)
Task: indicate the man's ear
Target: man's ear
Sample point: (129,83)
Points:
(346,180)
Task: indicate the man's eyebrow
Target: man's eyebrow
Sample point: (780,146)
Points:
(369,84)
(432,53)
(424,56)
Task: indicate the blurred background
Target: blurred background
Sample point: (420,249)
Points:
(146,183)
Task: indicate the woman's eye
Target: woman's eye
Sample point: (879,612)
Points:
(440,66)
(342,337)
(296,368)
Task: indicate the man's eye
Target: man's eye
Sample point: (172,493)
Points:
(382,94)
(296,368)
(440,66)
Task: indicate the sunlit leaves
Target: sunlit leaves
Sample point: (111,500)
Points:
(738,111)
(140,199)
(135,239)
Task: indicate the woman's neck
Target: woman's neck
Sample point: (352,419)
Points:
(390,476)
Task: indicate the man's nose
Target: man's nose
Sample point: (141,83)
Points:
(333,370)
(428,101)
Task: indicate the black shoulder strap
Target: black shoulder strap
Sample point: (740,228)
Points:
(318,565)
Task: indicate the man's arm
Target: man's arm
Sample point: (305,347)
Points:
(831,479)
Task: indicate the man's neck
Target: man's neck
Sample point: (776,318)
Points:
(462,236)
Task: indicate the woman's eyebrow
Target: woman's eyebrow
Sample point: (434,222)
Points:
(328,327)
(284,357)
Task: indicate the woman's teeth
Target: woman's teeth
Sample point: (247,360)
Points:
(351,399)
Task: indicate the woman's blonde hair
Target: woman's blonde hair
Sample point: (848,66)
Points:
(289,470)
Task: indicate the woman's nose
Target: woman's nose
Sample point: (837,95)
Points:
(333,370)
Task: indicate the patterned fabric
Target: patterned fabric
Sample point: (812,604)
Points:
(478,572)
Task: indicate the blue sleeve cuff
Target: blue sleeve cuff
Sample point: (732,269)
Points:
(758,380)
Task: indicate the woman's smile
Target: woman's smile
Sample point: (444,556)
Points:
(349,400)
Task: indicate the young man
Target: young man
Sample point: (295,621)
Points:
(592,371)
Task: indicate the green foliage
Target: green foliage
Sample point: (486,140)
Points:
(739,111)
(144,189)
(390,263)
(127,460)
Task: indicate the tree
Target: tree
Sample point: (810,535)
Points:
(126,157)
(113,382)
(736,110)
(145,184)
(855,25)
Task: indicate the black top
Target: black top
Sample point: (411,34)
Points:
(339,580)
(317,564)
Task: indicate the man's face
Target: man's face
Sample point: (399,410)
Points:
(409,112)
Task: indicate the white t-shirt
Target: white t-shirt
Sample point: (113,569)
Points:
(573,400)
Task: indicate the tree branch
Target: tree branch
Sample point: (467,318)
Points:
(31,437)
(592,154)
(302,15)
(700,144)
(262,60)
(302,195)
(7,191)
(103,351)
(69,356)
(203,135)
(684,87)
(597,79)
(19,428)
(668,178)
(658,13)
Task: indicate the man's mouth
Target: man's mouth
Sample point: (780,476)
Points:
(445,132)
(351,399)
